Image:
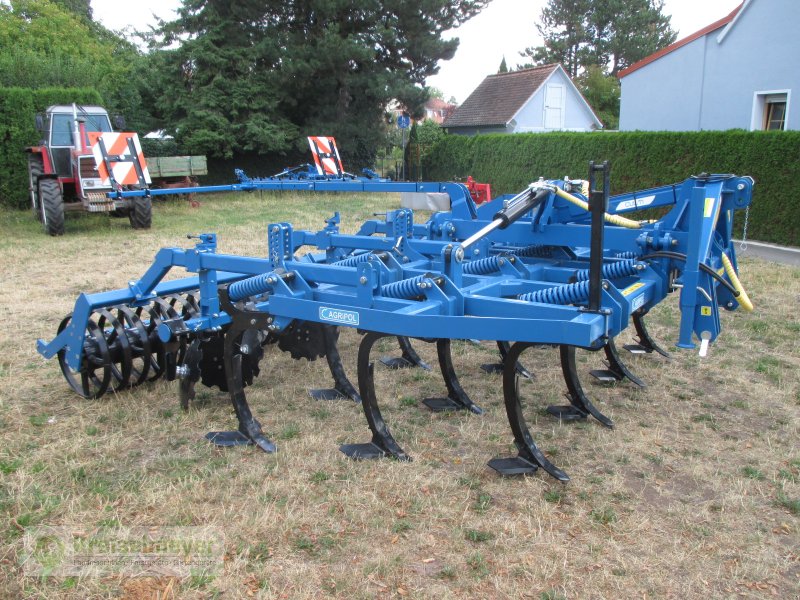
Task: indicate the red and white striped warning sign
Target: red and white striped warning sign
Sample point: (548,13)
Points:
(120,158)
(326,155)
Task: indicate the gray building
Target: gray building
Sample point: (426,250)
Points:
(737,73)
(531,100)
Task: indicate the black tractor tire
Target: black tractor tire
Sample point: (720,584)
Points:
(35,170)
(52,206)
(141,213)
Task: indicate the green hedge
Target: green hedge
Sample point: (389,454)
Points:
(18,107)
(638,160)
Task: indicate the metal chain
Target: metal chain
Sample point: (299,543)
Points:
(743,245)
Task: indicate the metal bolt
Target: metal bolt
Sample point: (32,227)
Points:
(215,315)
(270,319)
(271,280)
(252,321)
(244,349)
(273,327)
(406,259)
(459,254)
(276,229)
(674,242)
(740,187)
(476,252)
(362,280)
(649,240)
(501,261)
(605,285)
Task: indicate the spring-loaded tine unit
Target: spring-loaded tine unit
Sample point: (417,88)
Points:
(550,266)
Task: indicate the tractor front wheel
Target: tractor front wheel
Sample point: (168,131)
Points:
(51,206)
(35,170)
(141,213)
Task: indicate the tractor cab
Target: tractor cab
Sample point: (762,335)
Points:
(62,133)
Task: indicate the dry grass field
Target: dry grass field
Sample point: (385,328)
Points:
(694,494)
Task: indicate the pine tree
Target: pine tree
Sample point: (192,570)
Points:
(503,67)
(264,75)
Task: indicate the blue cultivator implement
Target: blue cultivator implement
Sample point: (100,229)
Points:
(558,264)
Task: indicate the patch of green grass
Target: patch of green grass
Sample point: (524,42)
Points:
(38,420)
(604,516)
(554,496)
(709,420)
(753,473)
(289,432)
(401,526)
(448,573)
(408,401)
(790,504)
(305,544)
(477,536)
(92,430)
(319,477)
(478,565)
(483,503)
(10,466)
(655,459)
(551,595)
(469,481)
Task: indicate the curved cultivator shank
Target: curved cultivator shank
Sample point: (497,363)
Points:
(554,266)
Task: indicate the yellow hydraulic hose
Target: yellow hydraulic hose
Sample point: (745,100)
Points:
(742,298)
(613,219)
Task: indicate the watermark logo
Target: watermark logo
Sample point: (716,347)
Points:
(337,315)
(63,551)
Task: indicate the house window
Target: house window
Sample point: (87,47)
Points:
(770,110)
(775,115)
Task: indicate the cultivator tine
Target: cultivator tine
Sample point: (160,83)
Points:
(249,431)
(382,444)
(457,398)
(408,359)
(530,457)
(580,407)
(503,347)
(646,344)
(617,370)
(342,388)
(118,346)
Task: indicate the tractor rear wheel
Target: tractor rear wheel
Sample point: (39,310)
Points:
(52,206)
(141,213)
(35,170)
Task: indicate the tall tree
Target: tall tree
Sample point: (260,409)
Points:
(255,75)
(563,26)
(503,68)
(610,33)
(46,45)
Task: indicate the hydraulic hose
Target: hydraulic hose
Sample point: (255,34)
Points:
(742,297)
(613,219)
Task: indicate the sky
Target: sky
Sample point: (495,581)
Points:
(504,28)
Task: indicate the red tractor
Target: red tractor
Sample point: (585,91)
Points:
(80,159)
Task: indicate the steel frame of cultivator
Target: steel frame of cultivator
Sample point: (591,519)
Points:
(549,266)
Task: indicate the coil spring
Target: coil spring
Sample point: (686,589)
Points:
(615,270)
(483,266)
(408,288)
(252,286)
(352,261)
(626,254)
(571,293)
(534,250)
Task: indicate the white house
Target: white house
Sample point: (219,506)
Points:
(737,73)
(531,100)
